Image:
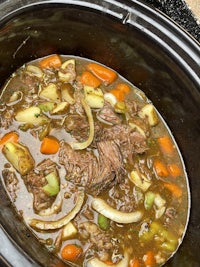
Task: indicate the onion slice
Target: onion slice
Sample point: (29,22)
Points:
(51,225)
(85,144)
(102,207)
(95,262)
(55,208)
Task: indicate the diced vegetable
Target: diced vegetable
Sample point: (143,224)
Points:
(120,107)
(31,115)
(60,107)
(63,74)
(69,230)
(71,252)
(9,137)
(105,74)
(148,111)
(67,93)
(34,71)
(44,131)
(140,180)
(125,88)
(19,156)
(52,61)
(104,223)
(138,128)
(159,201)
(174,189)
(53,187)
(50,92)
(110,98)
(169,240)
(49,145)
(174,170)
(46,106)
(87,78)
(166,144)
(94,97)
(149,259)
(160,168)
(134,263)
(120,96)
(15,98)
(149,200)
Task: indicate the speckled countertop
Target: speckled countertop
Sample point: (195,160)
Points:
(184,12)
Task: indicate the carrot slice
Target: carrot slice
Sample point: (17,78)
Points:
(49,145)
(160,168)
(166,144)
(118,94)
(149,259)
(134,263)
(106,75)
(71,252)
(9,137)
(125,88)
(174,170)
(52,61)
(174,189)
(87,78)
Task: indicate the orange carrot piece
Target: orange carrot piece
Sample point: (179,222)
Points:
(134,263)
(108,262)
(49,145)
(166,144)
(118,94)
(71,252)
(149,259)
(106,75)
(9,137)
(125,88)
(174,170)
(52,61)
(160,168)
(174,189)
(87,78)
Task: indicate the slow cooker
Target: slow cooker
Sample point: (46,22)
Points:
(140,43)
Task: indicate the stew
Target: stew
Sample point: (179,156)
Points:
(90,165)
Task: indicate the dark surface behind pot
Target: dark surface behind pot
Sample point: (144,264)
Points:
(155,55)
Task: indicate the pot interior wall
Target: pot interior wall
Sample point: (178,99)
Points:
(35,32)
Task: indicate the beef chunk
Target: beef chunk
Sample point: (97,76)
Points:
(11,183)
(6,119)
(98,239)
(108,115)
(93,172)
(35,180)
(130,141)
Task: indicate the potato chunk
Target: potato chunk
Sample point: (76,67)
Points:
(149,111)
(19,156)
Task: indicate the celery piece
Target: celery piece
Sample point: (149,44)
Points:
(103,222)
(46,106)
(149,200)
(53,187)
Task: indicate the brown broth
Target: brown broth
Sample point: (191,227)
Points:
(124,236)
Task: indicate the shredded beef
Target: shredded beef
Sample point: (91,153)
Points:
(108,115)
(93,172)
(11,183)
(6,119)
(130,141)
(98,238)
(35,180)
